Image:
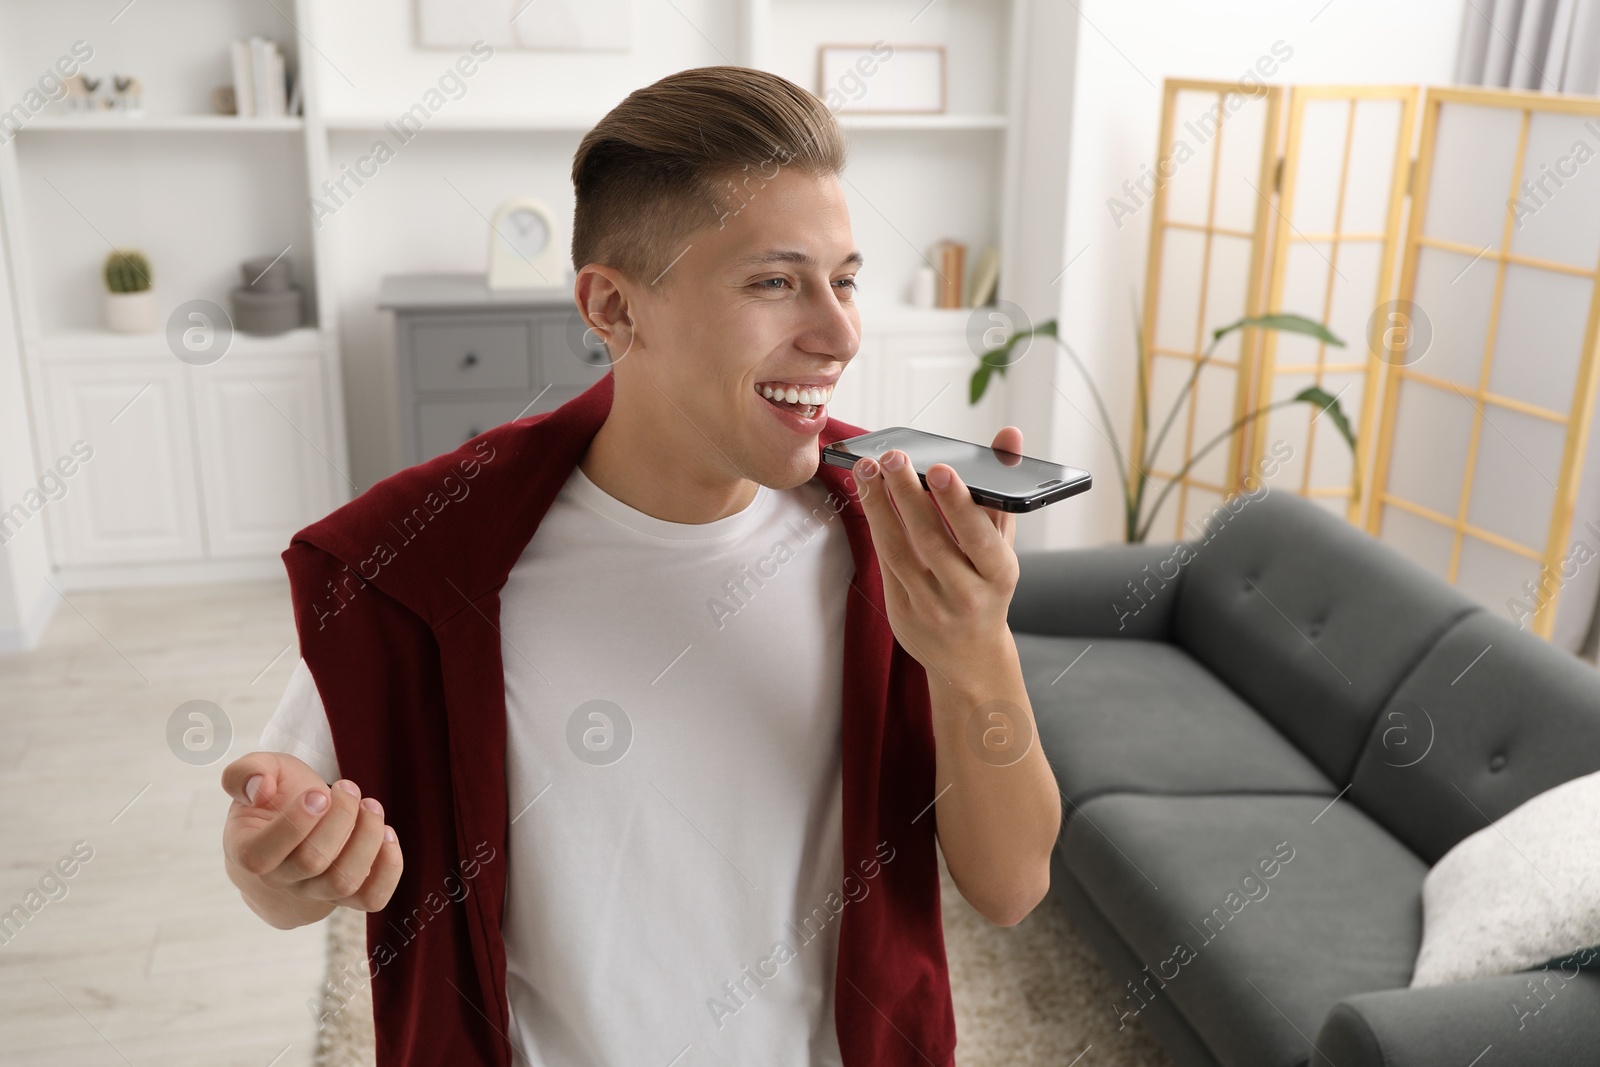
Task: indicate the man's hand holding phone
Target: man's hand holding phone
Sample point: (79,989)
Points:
(948,565)
(297,848)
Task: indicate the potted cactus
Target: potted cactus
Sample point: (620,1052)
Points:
(130,302)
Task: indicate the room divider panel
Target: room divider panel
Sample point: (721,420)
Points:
(1471,317)
(1208,242)
(1346,156)
(1480,454)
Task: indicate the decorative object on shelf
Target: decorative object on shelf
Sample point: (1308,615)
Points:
(130,300)
(985,277)
(1136,523)
(522,251)
(129,94)
(223,101)
(268,302)
(81,92)
(880,79)
(548,25)
(925,287)
(260,82)
(951,255)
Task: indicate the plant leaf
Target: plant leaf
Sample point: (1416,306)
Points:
(980,382)
(1286,321)
(1329,403)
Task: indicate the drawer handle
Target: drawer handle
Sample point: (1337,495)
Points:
(471,360)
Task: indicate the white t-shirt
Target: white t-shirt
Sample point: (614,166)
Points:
(676,900)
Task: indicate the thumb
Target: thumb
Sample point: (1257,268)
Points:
(253,779)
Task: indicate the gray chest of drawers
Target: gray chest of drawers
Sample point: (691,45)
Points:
(468,357)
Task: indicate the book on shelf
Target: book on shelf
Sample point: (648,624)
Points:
(260,84)
(985,276)
(952,267)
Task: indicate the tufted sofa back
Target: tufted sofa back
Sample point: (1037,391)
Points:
(1491,717)
(1310,620)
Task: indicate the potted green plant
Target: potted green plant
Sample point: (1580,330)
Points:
(130,301)
(1137,519)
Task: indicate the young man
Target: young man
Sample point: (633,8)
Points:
(662,714)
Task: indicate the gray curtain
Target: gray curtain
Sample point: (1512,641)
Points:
(1548,45)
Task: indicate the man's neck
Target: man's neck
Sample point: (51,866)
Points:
(628,460)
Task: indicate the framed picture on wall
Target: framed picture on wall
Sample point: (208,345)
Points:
(546,25)
(882,79)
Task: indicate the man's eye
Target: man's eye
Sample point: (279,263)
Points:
(763,283)
(848,283)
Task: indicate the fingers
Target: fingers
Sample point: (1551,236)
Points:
(381,880)
(889,536)
(1008,439)
(253,778)
(349,870)
(929,543)
(982,539)
(261,849)
(323,843)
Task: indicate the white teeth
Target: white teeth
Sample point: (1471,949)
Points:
(797,394)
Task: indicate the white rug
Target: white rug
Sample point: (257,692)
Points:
(1031,995)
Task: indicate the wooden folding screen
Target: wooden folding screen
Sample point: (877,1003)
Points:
(1480,451)
(1209,216)
(1347,151)
(1470,382)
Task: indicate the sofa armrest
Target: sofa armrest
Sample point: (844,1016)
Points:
(1548,1017)
(1107,591)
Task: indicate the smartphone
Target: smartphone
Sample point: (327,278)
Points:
(1005,481)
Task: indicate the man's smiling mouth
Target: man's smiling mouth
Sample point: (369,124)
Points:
(803,400)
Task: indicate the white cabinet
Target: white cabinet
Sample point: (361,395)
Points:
(200,466)
(261,451)
(135,499)
(914,368)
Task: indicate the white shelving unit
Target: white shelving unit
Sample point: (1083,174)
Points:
(199,472)
(201,192)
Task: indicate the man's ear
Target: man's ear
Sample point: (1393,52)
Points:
(603,300)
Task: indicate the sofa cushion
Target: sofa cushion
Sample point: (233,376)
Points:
(1491,717)
(1518,893)
(1253,954)
(1141,716)
(1310,620)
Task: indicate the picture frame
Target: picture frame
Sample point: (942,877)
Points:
(882,79)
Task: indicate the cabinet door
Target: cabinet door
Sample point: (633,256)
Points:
(926,383)
(264,468)
(135,500)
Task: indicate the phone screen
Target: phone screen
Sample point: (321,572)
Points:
(1004,473)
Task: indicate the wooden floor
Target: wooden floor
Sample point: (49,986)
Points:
(150,957)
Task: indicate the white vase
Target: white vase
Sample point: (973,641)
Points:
(132,312)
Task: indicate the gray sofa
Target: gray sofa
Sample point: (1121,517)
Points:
(1289,696)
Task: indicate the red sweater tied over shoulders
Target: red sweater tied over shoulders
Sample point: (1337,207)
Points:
(397,603)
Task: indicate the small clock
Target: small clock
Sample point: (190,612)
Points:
(522,249)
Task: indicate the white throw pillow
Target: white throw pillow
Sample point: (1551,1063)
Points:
(1518,893)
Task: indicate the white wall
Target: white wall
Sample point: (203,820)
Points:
(1124,52)
(26,602)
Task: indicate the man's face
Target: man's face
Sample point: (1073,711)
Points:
(766,297)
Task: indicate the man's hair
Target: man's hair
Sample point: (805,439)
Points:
(687,152)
